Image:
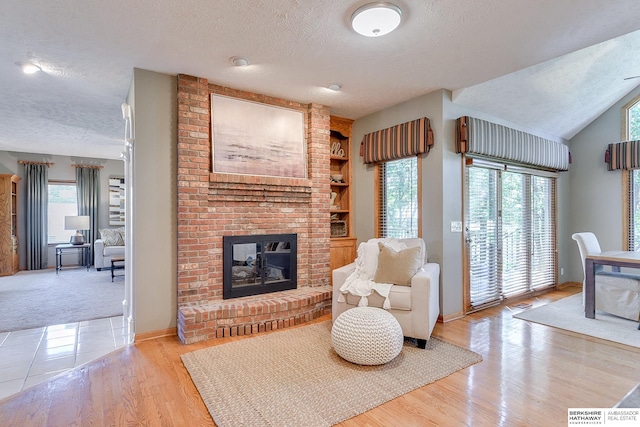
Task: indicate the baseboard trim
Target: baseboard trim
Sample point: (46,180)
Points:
(146,336)
(450,317)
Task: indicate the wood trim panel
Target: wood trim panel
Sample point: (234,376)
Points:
(451,317)
(341,125)
(169,332)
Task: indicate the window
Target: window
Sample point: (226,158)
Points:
(398,201)
(62,202)
(510,232)
(631,179)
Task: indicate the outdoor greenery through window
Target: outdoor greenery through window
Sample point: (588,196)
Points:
(510,220)
(633,134)
(62,202)
(399,211)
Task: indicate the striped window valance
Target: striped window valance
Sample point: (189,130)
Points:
(623,155)
(475,136)
(397,142)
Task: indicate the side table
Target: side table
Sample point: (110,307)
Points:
(85,249)
(117,263)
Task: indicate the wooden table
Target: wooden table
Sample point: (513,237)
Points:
(614,258)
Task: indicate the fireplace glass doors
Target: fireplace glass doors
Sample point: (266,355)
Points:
(258,264)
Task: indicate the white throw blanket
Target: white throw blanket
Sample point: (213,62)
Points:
(359,284)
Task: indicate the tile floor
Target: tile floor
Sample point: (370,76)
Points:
(31,356)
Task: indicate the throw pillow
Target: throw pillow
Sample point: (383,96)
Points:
(397,267)
(112,237)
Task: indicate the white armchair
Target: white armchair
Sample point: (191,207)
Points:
(416,307)
(616,293)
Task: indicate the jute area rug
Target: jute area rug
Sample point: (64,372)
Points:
(568,314)
(295,378)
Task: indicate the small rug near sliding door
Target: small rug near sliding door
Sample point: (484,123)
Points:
(295,378)
(568,314)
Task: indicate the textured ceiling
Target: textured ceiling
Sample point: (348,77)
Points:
(520,60)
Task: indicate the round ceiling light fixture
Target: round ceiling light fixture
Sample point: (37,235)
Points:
(239,61)
(28,67)
(335,86)
(376,19)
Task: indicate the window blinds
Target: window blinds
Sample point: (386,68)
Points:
(510,221)
(398,214)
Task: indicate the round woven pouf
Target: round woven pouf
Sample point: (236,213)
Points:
(367,336)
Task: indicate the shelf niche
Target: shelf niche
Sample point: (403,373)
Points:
(343,242)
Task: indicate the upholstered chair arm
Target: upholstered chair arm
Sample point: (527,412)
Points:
(339,275)
(425,299)
(98,253)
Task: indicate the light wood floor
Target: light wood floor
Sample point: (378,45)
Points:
(531,374)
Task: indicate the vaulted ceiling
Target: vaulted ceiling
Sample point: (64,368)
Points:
(550,66)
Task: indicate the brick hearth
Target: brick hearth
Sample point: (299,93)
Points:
(211,205)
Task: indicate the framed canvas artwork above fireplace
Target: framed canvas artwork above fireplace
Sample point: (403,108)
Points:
(251,138)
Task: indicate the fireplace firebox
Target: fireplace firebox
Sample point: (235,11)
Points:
(258,264)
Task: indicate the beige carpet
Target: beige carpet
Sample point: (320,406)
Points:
(568,314)
(32,299)
(294,378)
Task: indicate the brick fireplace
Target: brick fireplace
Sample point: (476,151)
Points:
(211,205)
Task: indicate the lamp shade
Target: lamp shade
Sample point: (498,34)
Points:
(76,222)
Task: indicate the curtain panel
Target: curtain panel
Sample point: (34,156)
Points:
(623,155)
(88,195)
(37,201)
(397,142)
(475,136)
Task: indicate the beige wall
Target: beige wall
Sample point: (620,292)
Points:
(442,186)
(429,105)
(596,194)
(153,99)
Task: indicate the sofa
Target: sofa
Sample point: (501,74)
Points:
(110,244)
(415,303)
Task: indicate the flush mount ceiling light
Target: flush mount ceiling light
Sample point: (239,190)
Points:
(239,61)
(376,19)
(335,86)
(28,67)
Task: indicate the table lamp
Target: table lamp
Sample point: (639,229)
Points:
(77,223)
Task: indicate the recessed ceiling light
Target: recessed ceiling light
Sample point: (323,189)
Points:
(239,61)
(376,19)
(28,67)
(335,86)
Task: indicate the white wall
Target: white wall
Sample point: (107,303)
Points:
(442,173)
(153,99)
(61,170)
(595,194)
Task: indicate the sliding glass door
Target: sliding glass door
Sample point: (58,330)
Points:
(509,233)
